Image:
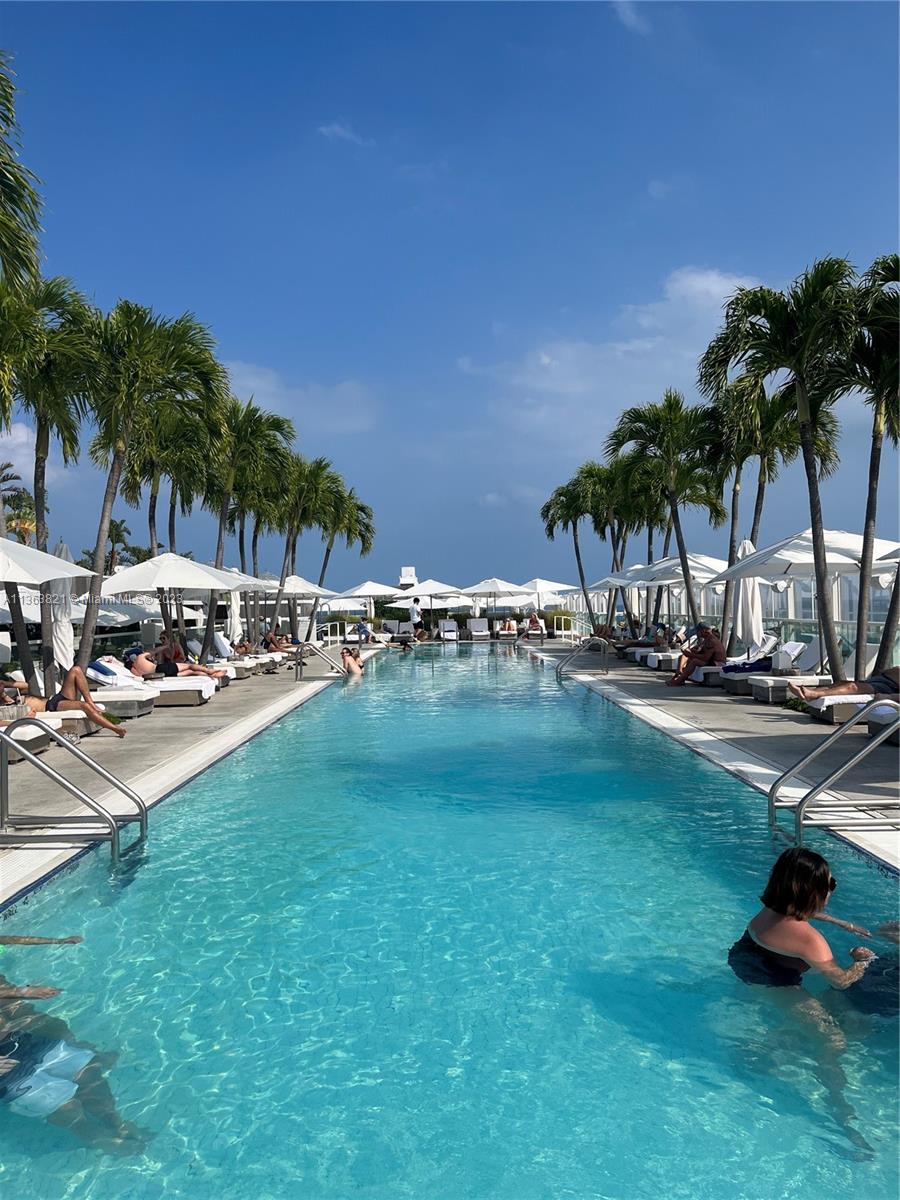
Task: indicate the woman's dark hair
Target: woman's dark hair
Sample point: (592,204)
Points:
(799,885)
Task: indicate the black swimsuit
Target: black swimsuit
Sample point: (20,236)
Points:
(753,963)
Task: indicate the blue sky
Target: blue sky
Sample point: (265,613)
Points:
(452,242)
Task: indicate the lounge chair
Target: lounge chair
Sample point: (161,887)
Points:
(667,660)
(235,669)
(532,634)
(167,693)
(448,631)
(714,676)
(504,635)
(879,717)
(478,629)
(773,689)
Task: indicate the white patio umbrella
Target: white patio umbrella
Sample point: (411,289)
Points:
(25,565)
(369,591)
(168,571)
(703,569)
(546,587)
(793,556)
(234,628)
(429,589)
(344,604)
(748,620)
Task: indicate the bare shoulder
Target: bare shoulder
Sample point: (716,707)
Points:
(814,945)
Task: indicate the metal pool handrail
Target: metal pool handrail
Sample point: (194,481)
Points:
(871,818)
(298,661)
(112,821)
(584,644)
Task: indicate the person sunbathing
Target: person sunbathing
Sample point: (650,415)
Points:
(243,647)
(887,683)
(170,651)
(273,642)
(707,652)
(149,662)
(74,696)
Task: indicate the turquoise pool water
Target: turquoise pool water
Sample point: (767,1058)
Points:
(448,933)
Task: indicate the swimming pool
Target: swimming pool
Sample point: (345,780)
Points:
(454,932)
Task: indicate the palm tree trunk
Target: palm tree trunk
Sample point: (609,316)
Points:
(151,516)
(173,506)
(292,603)
(581,577)
(315,608)
(885,657)
(41,536)
(728,622)
(667,541)
(758,506)
(285,563)
(242,554)
(629,615)
(823,583)
(88,629)
(868,545)
(647,593)
(210,630)
(682,554)
(254,558)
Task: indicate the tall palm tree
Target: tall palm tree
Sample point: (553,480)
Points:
(673,436)
(565,508)
(312,493)
(872,368)
(118,535)
(20,516)
(640,482)
(50,381)
(20,203)
(145,365)
(613,517)
(251,442)
(352,521)
(806,333)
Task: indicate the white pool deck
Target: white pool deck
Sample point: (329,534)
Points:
(756,742)
(166,749)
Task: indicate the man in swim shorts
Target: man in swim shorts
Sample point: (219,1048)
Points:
(885,684)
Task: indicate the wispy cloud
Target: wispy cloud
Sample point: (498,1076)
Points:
(342,131)
(17,448)
(344,407)
(632,16)
(567,392)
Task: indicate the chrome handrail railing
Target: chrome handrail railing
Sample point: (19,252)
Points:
(583,645)
(841,804)
(59,827)
(298,661)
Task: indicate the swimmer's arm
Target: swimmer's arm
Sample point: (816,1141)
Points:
(38,941)
(28,993)
(818,955)
(859,930)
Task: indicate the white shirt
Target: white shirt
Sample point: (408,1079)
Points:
(415,613)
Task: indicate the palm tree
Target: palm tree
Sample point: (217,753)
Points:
(564,510)
(806,332)
(641,484)
(673,436)
(352,521)
(118,535)
(251,442)
(873,369)
(312,495)
(613,517)
(20,515)
(50,381)
(145,365)
(19,201)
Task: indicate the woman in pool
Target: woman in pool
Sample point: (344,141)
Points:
(352,665)
(779,945)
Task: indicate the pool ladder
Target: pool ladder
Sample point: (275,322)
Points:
(585,644)
(838,812)
(103,825)
(298,660)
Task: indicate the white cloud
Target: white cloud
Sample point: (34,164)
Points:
(344,407)
(342,131)
(568,392)
(493,500)
(17,447)
(631,16)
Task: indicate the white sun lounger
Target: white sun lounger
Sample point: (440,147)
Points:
(713,676)
(167,693)
(531,634)
(504,635)
(448,631)
(478,629)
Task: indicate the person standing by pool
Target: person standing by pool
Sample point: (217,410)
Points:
(415,614)
(779,945)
